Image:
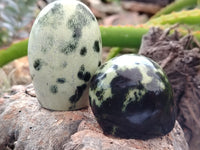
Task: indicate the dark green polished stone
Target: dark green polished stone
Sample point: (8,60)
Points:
(131,97)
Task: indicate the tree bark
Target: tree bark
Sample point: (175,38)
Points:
(180,59)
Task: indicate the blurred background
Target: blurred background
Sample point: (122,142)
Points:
(17,17)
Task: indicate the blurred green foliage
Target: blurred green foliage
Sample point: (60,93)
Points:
(15,15)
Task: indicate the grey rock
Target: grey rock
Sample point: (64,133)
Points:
(25,125)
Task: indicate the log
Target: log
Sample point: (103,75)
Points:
(179,56)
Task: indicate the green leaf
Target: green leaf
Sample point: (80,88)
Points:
(15,51)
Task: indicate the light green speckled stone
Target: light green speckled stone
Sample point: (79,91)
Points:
(64,51)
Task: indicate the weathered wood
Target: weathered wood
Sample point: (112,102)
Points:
(180,58)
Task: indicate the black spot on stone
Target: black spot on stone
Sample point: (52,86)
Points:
(82,75)
(100,94)
(96,46)
(77,21)
(58,12)
(115,67)
(136,96)
(83,51)
(81,72)
(96,79)
(69,48)
(37,64)
(121,84)
(57,9)
(43,21)
(87,76)
(78,93)
(99,64)
(103,76)
(102,66)
(140,86)
(77,33)
(47,20)
(85,11)
(54,89)
(82,68)
(61,80)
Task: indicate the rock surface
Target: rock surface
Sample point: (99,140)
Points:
(24,125)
